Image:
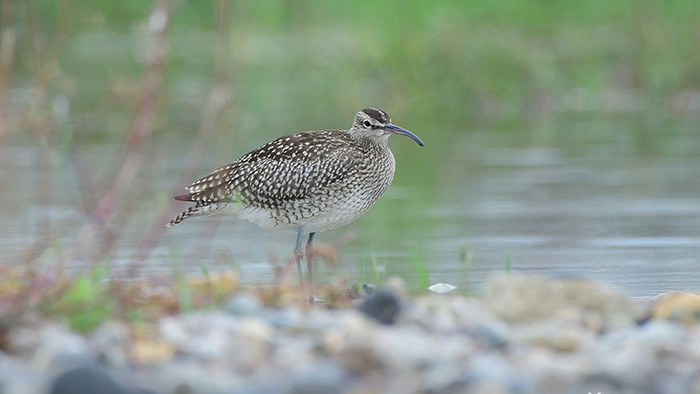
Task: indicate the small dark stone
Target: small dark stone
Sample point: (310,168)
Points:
(85,380)
(382,306)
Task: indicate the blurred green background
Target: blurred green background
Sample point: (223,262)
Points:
(443,68)
(110,107)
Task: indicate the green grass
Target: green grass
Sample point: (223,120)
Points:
(421,271)
(371,271)
(85,304)
(377,273)
(466,258)
(82,302)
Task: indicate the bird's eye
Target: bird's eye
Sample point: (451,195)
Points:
(367,123)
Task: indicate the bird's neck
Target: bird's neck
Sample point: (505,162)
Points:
(374,146)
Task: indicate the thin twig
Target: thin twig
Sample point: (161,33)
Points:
(139,132)
(7,55)
(220,97)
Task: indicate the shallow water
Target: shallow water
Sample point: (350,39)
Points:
(560,143)
(600,210)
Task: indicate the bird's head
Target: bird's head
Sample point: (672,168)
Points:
(376,124)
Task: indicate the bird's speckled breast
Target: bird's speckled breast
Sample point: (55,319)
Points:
(331,207)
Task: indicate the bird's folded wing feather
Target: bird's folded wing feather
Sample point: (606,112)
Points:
(288,168)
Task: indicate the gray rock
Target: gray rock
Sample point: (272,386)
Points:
(492,373)
(319,377)
(526,298)
(17,377)
(189,375)
(653,358)
(110,342)
(85,381)
(554,335)
(217,337)
(492,336)
(449,314)
(52,347)
(285,318)
(243,304)
(383,306)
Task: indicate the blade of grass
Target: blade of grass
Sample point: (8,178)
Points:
(377,276)
(466,258)
(204,269)
(421,270)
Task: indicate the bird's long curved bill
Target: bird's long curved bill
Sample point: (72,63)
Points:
(394,129)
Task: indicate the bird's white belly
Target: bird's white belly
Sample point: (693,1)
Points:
(317,216)
(340,214)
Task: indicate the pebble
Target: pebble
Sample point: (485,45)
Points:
(383,306)
(678,306)
(110,343)
(527,334)
(319,377)
(442,288)
(51,347)
(85,380)
(18,376)
(243,304)
(526,298)
(554,336)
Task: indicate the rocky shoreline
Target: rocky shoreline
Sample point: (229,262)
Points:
(526,334)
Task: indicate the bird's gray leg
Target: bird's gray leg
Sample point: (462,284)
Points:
(309,266)
(299,254)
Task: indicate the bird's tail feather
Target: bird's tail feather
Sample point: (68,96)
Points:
(197,210)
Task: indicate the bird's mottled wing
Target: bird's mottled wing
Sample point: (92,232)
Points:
(288,168)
